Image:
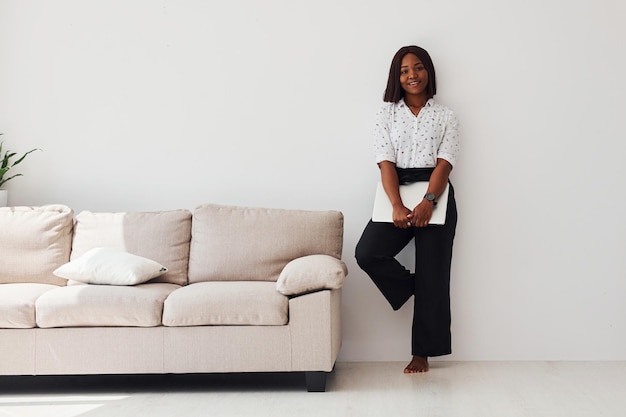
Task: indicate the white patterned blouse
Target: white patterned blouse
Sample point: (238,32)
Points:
(412,141)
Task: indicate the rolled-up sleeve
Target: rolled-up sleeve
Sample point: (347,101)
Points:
(383,147)
(450,145)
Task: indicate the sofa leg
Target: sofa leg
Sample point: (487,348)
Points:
(315,381)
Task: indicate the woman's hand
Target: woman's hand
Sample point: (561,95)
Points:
(389,178)
(421,214)
(401,216)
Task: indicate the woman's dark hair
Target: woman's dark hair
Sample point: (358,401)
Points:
(394,91)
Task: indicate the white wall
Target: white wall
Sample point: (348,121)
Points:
(151,105)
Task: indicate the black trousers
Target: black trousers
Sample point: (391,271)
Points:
(430,284)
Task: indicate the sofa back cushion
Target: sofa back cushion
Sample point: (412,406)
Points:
(254,244)
(34,241)
(160,236)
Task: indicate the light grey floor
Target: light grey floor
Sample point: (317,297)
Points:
(481,389)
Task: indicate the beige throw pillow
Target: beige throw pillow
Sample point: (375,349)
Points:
(109,266)
(311,273)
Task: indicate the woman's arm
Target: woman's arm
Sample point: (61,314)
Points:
(389,178)
(421,214)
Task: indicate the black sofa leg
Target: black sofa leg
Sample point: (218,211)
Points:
(315,381)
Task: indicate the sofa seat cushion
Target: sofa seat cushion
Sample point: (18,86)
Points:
(226,303)
(17,304)
(103,305)
(34,241)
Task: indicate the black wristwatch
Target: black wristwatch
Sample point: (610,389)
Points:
(430,197)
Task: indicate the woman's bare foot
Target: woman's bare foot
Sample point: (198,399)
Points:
(419,364)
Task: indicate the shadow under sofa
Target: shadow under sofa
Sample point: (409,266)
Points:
(246,290)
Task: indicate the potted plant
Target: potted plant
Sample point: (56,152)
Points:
(5,166)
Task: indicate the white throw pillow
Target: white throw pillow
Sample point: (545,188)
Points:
(110,266)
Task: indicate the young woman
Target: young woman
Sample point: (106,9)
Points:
(415,139)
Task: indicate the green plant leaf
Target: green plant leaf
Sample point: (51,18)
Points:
(23,156)
(6,164)
(7,179)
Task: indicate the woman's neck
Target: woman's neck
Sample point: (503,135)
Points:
(416,101)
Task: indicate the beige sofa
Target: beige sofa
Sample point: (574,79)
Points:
(246,290)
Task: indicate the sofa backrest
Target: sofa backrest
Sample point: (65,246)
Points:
(161,236)
(34,241)
(254,244)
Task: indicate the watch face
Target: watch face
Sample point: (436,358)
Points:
(430,196)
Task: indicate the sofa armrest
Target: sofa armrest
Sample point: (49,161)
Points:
(311,273)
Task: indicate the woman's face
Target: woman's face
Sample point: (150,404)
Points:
(413,75)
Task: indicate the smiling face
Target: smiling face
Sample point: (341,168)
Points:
(413,76)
